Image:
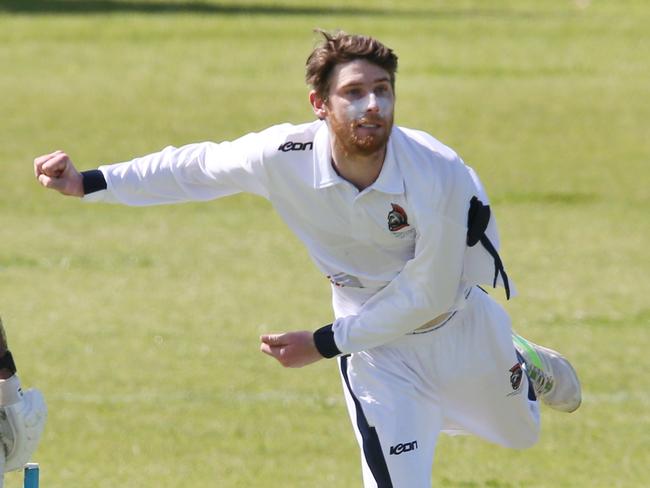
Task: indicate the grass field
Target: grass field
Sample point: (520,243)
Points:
(141,325)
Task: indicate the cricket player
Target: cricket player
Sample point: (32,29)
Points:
(22,414)
(402,229)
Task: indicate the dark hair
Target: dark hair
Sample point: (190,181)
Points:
(341,48)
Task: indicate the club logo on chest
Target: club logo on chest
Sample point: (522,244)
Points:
(397,218)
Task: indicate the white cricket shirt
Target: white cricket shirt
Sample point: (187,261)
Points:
(395,253)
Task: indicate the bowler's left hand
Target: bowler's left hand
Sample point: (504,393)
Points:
(291,349)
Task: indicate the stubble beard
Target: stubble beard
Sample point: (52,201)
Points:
(352,144)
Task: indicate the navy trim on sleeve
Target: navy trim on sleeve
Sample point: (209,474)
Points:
(324,341)
(93,180)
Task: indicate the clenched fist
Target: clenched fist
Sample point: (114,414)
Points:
(56,171)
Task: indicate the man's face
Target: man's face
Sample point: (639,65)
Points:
(359,107)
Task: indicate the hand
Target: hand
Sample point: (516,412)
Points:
(56,171)
(291,349)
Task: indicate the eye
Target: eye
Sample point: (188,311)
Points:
(381,90)
(354,92)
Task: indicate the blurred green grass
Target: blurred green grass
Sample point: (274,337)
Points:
(141,325)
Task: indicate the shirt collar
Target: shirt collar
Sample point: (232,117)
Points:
(324,173)
(390,178)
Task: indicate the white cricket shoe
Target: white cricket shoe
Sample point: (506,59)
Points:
(554,380)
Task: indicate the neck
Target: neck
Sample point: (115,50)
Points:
(359,169)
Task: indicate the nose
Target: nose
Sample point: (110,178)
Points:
(372,106)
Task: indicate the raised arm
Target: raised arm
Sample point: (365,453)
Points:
(200,171)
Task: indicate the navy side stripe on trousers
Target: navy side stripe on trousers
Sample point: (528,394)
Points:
(371,446)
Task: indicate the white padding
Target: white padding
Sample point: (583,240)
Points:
(10,392)
(21,427)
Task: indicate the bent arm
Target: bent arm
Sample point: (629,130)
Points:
(426,287)
(430,284)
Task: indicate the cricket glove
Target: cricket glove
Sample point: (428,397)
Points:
(22,419)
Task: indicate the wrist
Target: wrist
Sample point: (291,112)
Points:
(91,181)
(324,342)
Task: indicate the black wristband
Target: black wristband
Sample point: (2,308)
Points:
(7,362)
(93,180)
(324,342)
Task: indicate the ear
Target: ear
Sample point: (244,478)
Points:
(318,105)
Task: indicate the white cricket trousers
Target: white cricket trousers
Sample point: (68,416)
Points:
(463,377)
